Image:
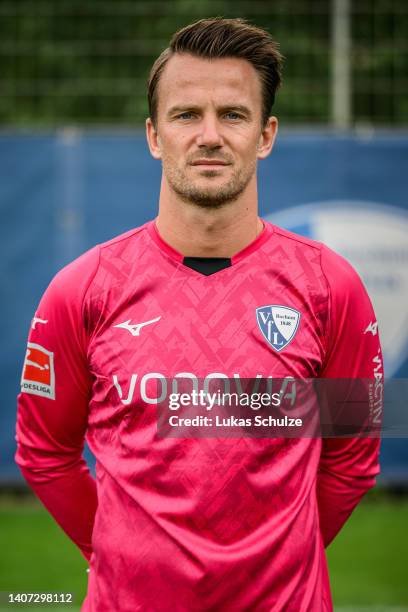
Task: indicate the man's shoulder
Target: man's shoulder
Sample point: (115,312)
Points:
(329,257)
(334,268)
(79,274)
(122,240)
(298,240)
(91,258)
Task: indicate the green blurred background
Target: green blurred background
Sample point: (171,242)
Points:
(86,61)
(368,560)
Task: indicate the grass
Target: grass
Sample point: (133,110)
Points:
(35,555)
(368,561)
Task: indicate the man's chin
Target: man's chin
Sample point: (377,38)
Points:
(209,198)
(210,191)
(214,172)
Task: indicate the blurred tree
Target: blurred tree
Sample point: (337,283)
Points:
(86,62)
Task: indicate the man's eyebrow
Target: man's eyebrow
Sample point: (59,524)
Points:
(240,108)
(182,109)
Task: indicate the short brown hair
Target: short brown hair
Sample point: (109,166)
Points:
(219,37)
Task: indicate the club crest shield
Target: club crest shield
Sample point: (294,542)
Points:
(278,324)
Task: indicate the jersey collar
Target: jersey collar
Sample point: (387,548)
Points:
(242,254)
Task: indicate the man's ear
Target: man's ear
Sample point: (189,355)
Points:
(267,138)
(153,139)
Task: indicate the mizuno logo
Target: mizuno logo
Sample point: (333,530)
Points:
(136,327)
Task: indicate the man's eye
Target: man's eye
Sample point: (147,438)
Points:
(185,115)
(232,115)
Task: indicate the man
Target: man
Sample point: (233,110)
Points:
(182,523)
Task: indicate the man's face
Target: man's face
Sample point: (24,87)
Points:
(208,132)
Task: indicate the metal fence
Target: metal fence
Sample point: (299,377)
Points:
(85,62)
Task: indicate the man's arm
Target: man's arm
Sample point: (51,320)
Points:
(53,405)
(348,466)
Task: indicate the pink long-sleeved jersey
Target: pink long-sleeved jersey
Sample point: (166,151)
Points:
(187,524)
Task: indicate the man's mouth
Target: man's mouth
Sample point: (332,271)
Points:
(210,163)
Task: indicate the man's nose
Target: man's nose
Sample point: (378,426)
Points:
(209,134)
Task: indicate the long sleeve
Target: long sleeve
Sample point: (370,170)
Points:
(348,466)
(53,404)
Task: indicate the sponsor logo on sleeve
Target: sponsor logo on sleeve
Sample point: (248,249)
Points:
(37,320)
(38,376)
(372,328)
(377,395)
(278,324)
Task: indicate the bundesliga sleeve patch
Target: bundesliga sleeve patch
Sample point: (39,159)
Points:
(38,376)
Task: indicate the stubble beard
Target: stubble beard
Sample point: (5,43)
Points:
(210,197)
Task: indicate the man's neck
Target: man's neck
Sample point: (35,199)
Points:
(201,232)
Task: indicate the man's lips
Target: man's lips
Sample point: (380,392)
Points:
(210,162)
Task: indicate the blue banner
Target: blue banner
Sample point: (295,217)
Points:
(60,194)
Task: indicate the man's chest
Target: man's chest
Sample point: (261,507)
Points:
(232,325)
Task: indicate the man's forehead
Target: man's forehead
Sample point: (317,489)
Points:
(185,74)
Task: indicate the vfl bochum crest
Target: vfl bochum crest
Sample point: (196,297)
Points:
(278,324)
